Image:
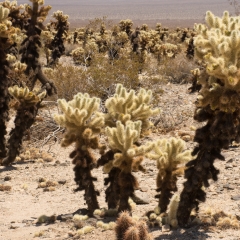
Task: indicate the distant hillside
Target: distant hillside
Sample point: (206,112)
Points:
(183,11)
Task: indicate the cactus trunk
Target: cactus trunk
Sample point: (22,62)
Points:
(4,98)
(112,192)
(127,183)
(221,129)
(168,186)
(83,165)
(23,121)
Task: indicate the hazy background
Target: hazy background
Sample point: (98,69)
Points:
(180,12)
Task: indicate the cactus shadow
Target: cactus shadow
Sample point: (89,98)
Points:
(7,168)
(193,233)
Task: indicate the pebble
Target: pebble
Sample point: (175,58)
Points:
(166,228)
(16,225)
(236,198)
(228,186)
(62,181)
(228,166)
(230,160)
(64,164)
(7,178)
(144,189)
(141,197)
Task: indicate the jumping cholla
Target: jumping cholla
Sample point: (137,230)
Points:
(125,106)
(83,123)
(217,44)
(169,154)
(126,158)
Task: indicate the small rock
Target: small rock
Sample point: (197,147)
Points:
(140,197)
(166,228)
(228,186)
(144,189)
(220,189)
(236,198)
(228,166)
(230,160)
(7,178)
(186,138)
(16,225)
(64,164)
(62,181)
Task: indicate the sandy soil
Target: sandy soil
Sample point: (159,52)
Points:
(26,202)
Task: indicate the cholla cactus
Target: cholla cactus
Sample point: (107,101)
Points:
(170,155)
(84,55)
(17,16)
(126,26)
(217,47)
(172,210)
(82,122)
(128,228)
(195,76)
(127,156)
(124,106)
(26,113)
(61,25)
(8,34)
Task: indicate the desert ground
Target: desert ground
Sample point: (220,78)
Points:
(33,210)
(22,206)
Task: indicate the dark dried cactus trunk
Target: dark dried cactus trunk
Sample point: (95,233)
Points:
(23,121)
(57,45)
(84,163)
(113,191)
(4,97)
(168,186)
(127,183)
(221,129)
(30,55)
(190,49)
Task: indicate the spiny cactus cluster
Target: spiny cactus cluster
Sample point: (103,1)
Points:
(8,34)
(127,156)
(127,228)
(216,46)
(61,25)
(83,123)
(170,154)
(26,113)
(125,106)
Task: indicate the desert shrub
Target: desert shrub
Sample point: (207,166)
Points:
(98,80)
(178,69)
(67,78)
